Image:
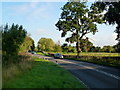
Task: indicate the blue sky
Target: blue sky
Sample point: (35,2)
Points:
(39,19)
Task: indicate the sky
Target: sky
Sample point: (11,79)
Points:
(39,19)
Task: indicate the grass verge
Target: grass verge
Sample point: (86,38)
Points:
(40,53)
(11,70)
(44,74)
(105,62)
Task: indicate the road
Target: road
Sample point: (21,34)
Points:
(92,75)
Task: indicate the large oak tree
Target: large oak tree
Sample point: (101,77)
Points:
(78,20)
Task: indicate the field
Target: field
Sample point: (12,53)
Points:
(107,59)
(95,54)
(43,74)
(87,54)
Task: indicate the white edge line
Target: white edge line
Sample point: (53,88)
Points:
(77,78)
(82,82)
(114,76)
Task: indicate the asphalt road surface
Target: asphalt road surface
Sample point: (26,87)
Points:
(92,75)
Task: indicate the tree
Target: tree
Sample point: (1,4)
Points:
(27,45)
(57,48)
(12,37)
(77,20)
(85,45)
(108,49)
(112,14)
(68,48)
(97,49)
(117,47)
(92,49)
(71,49)
(45,44)
(65,47)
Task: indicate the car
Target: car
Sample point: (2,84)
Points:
(58,55)
(33,52)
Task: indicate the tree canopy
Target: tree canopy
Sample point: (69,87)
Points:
(45,44)
(108,49)
(12,37)
(27,45)
(85,45)
(57,47)
(78,20)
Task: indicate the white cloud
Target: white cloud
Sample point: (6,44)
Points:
(102,40)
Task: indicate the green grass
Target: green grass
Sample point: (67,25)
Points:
(105,62)
(106,59)
(11,70)
(44,74)
(44,54)
(92,54)
(86,54)
(95,54)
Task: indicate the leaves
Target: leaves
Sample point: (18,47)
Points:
(111,13)
(27,45)
(57,48)
(12,38)
(78,20)
(45,44)
(85,45)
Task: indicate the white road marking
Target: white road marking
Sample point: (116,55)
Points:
(83,83)
(111,75)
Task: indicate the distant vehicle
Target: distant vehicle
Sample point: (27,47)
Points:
(29,51)
(58,55)
(33,52)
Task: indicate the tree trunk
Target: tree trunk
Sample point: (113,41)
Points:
(78,49)
(78,44)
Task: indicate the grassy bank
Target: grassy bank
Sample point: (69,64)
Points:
(96,60)
(23,63)
(44,74)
